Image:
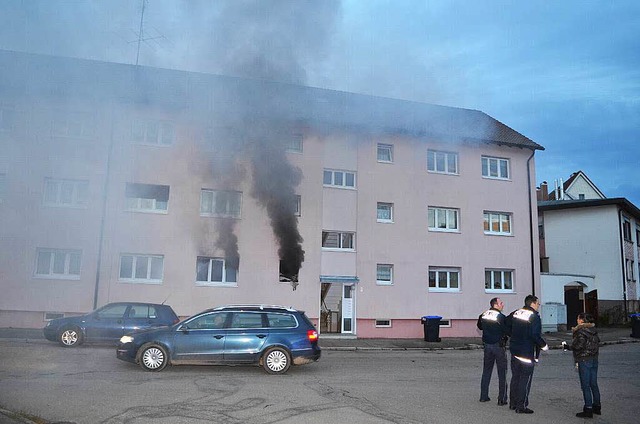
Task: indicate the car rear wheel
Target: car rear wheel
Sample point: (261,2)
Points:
(153,357)
(276,360)
(70,337)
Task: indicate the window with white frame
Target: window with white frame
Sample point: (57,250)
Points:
(343,179)
(630,265)
(220,203)
(215,271)
(498,280)
(626,228)
(498,223)
(147,197)
(383,323)
(338,240)
(136,268)
(294,144)
(156,132)
(73,125)
(65,193)
(385,153)
(384,212)
(442,162)
(495,168)
(58,263)
(384,274)
(298,205)
(444,279)
(443,219)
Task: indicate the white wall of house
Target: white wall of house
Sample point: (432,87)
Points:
(586,241)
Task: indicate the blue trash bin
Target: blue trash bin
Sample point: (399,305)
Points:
(635,325)
(431,325)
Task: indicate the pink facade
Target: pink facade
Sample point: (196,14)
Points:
(367,195)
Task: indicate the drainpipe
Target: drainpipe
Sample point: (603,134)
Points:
(104,210)
(624,284)
(533,258)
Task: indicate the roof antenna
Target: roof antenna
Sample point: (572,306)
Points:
(141,38)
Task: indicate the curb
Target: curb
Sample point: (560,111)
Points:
(18,418)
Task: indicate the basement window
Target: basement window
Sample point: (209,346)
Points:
(48,316)
(383,323)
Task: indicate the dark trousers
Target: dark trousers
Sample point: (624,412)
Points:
(494,353)
(588,371)
(521,375)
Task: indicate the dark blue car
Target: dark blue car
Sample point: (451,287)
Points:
(274,337)
(109,323)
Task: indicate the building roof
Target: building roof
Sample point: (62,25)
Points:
(572,178)
(204,95)
(621,202)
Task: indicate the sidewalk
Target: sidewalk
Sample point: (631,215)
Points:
(339,342)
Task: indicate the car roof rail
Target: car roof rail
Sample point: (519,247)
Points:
(257,306)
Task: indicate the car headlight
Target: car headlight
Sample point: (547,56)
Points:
(126,339)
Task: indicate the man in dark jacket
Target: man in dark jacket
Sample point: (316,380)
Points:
(494,336)
(525,328)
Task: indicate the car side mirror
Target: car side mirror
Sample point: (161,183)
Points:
(184,328)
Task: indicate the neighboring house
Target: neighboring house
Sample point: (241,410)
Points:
(589,252)
(123,182)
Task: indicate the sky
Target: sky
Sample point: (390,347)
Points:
(566,73)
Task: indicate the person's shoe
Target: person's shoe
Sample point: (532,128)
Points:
(500,403)
(586,413)
(524,411)
(485,399)
(512,407)
(597,409)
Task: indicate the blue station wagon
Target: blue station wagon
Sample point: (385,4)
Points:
(109,323)
(274,337)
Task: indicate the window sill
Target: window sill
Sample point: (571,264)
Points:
(495,178)
(335,249)
(444,173)
(57,277)
(339,187)
(212,215)
(499,234)
(384,283)
(215,284)
(498,291)
(384,221)
(440,230)
(152,211)
(132,281)
(432,290)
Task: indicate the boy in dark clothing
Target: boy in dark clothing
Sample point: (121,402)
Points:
(585,347)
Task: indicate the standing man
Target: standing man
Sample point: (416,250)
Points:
(494,336)
(526,341)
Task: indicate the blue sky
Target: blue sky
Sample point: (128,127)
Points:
(564,73)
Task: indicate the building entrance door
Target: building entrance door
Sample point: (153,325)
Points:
(337,308)
(573,298)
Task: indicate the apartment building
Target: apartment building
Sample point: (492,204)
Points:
(121,182)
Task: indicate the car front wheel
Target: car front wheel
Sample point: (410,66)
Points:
(70,337)
(153,357)
(276,360)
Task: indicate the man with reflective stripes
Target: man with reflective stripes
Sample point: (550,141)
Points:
(494,336)
(526,341)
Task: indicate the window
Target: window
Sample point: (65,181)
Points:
(220,203)
(630,270)
(140,311)
(443,219)
(247,320)
(215,271)
(142,268)
(281,320)
(495,168)
(383,323)
(497,223)
(147,198)
(297,211)
(338,240)
(112,311)
(212,321)
(626,228)
(153,132)
(65,193)
(342,179)
(385,212)
(58,263)
(384,274)
(444,279)
(385,153)
(73,125)
(498,280)
(442,162)
(294,144)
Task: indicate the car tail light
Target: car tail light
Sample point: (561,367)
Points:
(312,335)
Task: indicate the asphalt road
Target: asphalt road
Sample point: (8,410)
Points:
(89,385)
